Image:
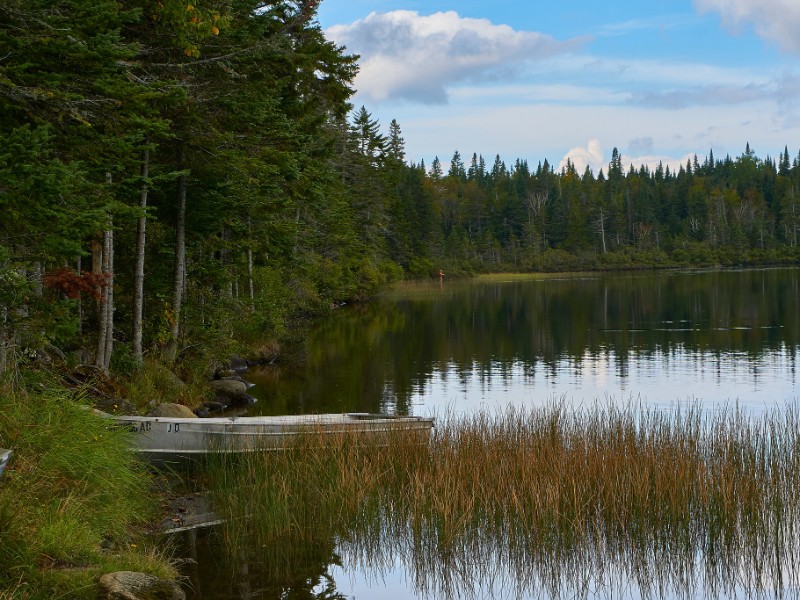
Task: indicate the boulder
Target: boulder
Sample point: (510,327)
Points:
(209,407)
(239,364)
(232,392)
(166,380)
(224,373)
(94,379)
(238,378)
(171,410)
(116,406)
(129,585)
(228,387)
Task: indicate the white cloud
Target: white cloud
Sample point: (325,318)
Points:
(652,161)
(774,20)
(407,55)
(590,156)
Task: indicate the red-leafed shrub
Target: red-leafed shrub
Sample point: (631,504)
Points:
(72,284)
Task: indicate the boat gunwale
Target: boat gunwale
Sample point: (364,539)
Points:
(283,420)
(5,458)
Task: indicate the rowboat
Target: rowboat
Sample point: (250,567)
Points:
(165,438)
(5,456)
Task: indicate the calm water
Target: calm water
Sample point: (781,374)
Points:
(664,338)
(714,339)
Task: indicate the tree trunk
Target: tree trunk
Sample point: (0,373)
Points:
(103,262)
(102,322)
(105,309)
(180,265)
(3,339)
(80,300)
(603,229)
(138,283)
(109,312)
(97,269)
(250,286)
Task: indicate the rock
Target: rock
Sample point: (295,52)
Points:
(168,381)
(171,410)
(228,387)
(239,364)
(51,349)
(238,378)
(129,585)
(208,407)
(232,392)
(224,373)
(116,406)
(94,379)
(244,400)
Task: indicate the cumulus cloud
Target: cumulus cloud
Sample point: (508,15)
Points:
(776,20)
(590,156)
(639,152)
(652,161)
(407,55)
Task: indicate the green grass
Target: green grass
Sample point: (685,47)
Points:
(73,500)
(671,496)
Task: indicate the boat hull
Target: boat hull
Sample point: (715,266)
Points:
(160,438)
(5,456)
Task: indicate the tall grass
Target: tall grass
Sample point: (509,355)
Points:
(554,497)
(71,501)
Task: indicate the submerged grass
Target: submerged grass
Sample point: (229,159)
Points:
(72,500)
(552,496)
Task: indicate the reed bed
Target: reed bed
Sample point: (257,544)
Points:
(549,498)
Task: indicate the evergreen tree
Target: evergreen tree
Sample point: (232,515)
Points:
(395,146)
(457,170)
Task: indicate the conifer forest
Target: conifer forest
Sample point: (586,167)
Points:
(169,172)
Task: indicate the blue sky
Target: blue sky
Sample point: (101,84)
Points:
(661,80)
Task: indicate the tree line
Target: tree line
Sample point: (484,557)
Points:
(170,172)
(479,217)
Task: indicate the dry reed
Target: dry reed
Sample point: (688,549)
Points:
(671,499)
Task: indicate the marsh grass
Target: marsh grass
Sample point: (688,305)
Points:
(72,500)
(552,496)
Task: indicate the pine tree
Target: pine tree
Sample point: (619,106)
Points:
(367,136)
(457,170)
(395,147)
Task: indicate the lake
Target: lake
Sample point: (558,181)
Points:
(669,341)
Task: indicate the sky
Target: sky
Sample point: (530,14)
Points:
(660,80)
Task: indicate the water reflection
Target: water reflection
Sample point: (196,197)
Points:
(596,503)
(720,337)
(665,340)
(285,570)
(639,574)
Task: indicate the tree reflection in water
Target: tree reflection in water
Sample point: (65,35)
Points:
(282,569)
(666,336)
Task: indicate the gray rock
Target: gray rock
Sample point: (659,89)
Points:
(225,387)
(238,363)
(167,381)
(232,392)
(238,378)
(171,410)
(129,585)
(224,373)
(116,406)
